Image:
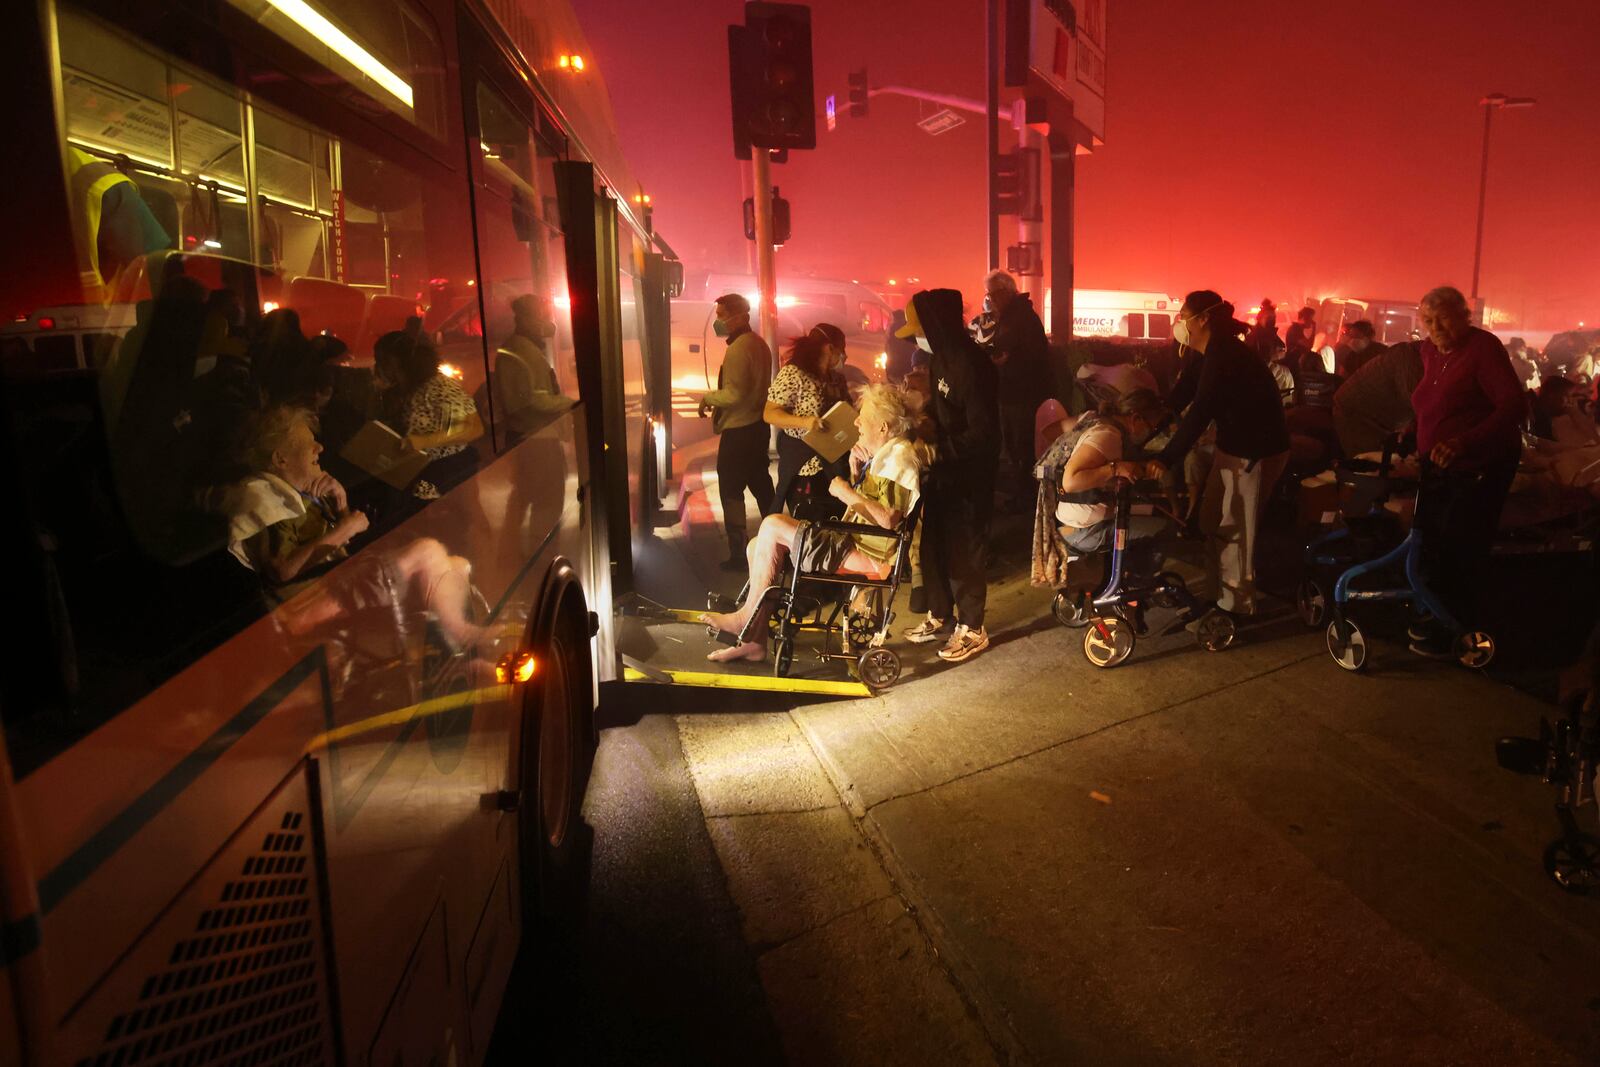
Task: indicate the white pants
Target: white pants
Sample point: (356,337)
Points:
(1230,516)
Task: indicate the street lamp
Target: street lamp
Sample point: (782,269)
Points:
(1491,103)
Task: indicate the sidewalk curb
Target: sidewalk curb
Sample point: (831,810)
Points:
(964,977)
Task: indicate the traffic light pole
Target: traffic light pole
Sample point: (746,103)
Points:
(766,261)
(992,120)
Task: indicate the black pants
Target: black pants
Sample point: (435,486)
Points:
(806,498)
(1016,438)
(741,465)
(955,541)
(1457,519)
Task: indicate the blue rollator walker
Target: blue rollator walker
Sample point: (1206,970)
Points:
(1114,618)
(1347,643)
(1365,529)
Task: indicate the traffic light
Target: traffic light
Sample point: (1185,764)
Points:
(1016,184)
(859,94)
(769,60)
(780,218)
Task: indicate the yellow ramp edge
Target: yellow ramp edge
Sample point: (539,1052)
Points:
(750,682)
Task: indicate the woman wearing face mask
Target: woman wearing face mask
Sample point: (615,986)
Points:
(1234,389)
(806,386)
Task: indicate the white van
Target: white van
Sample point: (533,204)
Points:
(1125,314)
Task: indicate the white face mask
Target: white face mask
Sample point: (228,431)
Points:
(922,343)
(1180,332)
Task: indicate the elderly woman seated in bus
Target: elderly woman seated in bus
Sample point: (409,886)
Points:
(889,465)
(289,522)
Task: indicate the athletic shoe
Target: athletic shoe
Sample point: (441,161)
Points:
(926,630)
(1435,646)
(964,644)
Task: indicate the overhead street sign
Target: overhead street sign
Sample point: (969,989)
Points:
(942,121)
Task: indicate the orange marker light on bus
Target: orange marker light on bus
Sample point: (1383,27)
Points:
(518,667)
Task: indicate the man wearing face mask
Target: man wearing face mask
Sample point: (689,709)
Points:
(959,494)
(736,405)
(525,390)
(1234,389)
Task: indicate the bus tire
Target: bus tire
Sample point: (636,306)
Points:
(557,755)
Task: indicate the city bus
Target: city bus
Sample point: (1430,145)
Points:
(263,799)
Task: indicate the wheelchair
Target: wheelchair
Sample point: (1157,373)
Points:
(852,612)
(1114,618)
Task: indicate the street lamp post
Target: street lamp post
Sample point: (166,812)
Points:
(1491,103)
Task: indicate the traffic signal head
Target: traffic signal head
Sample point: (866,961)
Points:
(770,67)
(859,93)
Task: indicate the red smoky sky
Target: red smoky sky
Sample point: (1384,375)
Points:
(1261,148)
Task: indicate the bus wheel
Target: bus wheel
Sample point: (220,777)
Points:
(557,755)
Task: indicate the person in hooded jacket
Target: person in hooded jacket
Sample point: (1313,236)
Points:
(959,495)
(1021,352)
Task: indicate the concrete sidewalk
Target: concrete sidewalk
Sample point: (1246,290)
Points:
(1243,857)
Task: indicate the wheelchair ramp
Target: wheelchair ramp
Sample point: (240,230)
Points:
(668,646)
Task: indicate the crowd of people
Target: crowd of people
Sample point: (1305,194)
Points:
(970,412)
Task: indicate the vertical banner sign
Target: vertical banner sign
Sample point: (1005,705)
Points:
(338,235)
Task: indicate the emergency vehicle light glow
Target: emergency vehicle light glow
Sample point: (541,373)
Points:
(315,23)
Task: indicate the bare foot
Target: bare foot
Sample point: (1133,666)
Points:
(728,624)
(753,651)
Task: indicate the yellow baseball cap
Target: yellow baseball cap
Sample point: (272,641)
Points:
(913,325)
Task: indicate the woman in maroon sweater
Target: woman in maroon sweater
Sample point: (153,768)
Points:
(1469,408)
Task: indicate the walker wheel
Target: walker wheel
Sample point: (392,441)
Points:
(1108,641)
(1071,609)
(1474,649)
(1573,863)
(1311,603)
(782,657)
(1215,631)
(1349,649)
(879,668)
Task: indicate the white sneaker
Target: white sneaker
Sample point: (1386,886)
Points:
(964,644)
(925,631)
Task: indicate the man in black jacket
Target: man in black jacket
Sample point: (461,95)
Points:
(958,499)
(1021,352)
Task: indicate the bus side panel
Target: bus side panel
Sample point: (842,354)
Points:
(237,965)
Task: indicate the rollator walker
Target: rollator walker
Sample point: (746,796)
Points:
(1347,642)
(1114,618)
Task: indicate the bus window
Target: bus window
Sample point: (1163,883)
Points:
(172,482)
(523,261)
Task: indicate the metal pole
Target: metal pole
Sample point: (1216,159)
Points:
(1483,192)
(766,263)
(992,38)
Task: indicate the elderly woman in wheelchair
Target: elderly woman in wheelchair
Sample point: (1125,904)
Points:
(888,468)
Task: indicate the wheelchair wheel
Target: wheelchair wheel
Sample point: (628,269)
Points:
(1349,650)
(1215,631)
(1070,609)
(1311,602)
(1573,863)
(782,657)
(1475,649)
(1108,641)
(879,668)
